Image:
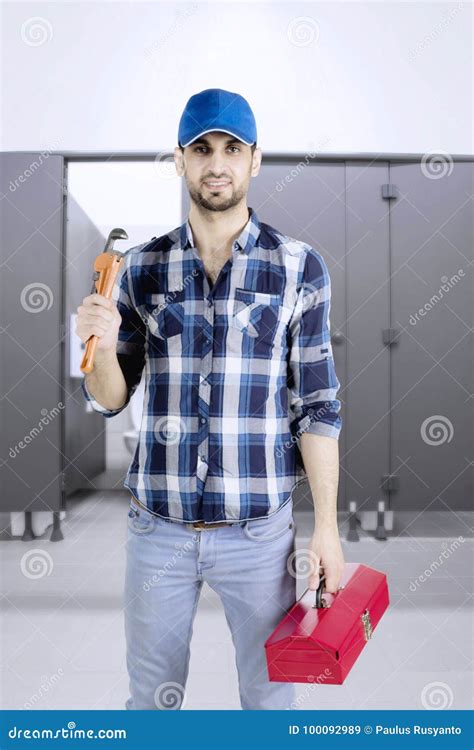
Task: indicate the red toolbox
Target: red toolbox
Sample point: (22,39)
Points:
(321,636)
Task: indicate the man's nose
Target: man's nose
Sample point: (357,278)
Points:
(217,165)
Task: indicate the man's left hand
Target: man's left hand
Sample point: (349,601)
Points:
(326,552)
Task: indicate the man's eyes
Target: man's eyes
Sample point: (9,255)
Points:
(198,148)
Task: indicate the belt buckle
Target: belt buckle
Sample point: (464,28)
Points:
(199,525)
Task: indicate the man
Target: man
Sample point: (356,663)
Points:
(230,319)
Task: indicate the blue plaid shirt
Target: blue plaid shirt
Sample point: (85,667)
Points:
(234,373)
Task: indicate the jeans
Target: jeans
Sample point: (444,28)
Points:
(166,564)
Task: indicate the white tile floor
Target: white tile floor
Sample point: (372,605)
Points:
(63,643)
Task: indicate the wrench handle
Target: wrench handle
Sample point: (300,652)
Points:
(106,267)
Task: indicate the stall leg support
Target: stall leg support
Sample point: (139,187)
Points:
(380,531)
(28,535)
(352,533)
(56,533)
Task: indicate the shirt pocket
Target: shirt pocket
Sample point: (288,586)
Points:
(165,313)
(255,313)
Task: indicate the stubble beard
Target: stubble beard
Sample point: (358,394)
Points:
(218,203)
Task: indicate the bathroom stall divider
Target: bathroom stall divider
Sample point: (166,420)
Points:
(393,232)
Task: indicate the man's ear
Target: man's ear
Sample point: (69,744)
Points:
(179,161)
(256,161)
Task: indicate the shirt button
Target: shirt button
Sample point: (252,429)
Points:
(236,245)
(203,459)
(209,302)
(203,420)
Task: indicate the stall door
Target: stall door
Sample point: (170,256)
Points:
(32,403)
(431,363)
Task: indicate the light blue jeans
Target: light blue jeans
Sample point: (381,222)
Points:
(167,562)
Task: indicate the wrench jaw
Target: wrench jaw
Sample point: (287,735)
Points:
(115,234)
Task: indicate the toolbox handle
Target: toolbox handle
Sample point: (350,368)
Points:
(320,603)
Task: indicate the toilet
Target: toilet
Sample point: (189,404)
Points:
(135,409)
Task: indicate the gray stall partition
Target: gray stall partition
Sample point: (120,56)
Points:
(431,414)
(397,237)
(45,426)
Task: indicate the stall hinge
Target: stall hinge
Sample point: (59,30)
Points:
(390,336)
(389,191)
(390,482)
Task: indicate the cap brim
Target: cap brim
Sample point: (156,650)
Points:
(217,130)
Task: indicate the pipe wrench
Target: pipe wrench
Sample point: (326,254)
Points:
(106,267)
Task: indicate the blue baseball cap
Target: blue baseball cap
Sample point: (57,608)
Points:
(216,109)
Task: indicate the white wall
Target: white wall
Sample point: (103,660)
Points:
(356,77)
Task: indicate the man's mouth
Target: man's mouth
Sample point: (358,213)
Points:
(216,184)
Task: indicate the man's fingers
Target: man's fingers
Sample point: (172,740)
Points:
(95,314)
(313,583)
(331,585)
(99,299)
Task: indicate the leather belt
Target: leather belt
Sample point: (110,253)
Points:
(201,526)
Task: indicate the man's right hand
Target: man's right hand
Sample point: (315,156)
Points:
(99,316)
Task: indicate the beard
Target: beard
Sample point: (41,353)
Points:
(218,202)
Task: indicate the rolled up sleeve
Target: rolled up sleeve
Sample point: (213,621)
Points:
(312,379)
(130,343)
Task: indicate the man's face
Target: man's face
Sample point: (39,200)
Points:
(217,169)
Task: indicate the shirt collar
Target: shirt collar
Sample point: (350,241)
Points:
(244,242)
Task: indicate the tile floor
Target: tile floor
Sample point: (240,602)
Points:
(63,644)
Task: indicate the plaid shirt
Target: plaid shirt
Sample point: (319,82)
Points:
(234,373)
